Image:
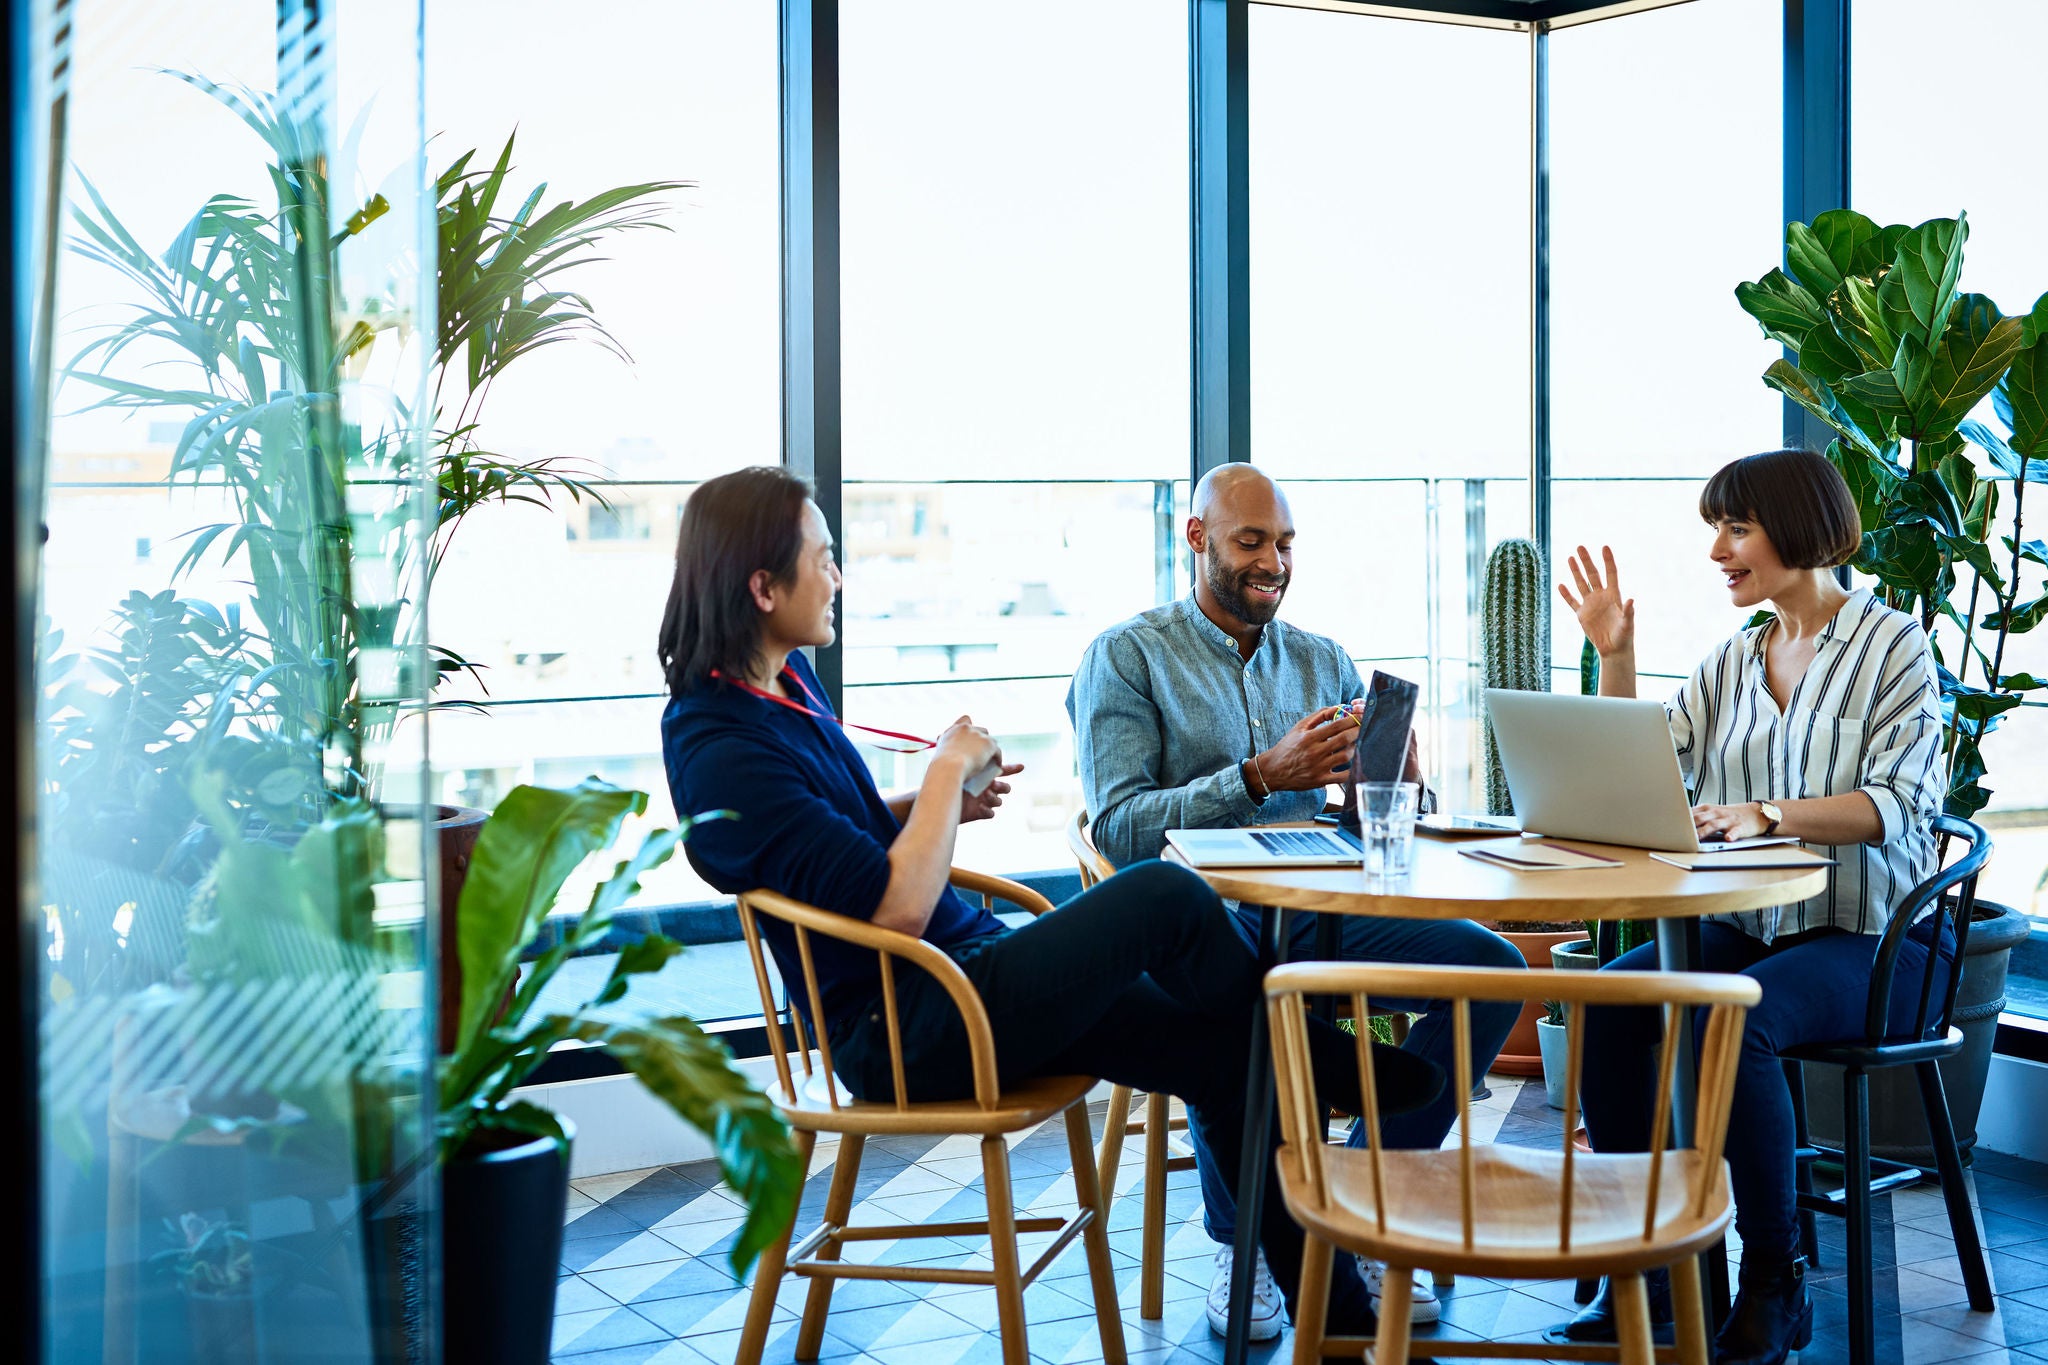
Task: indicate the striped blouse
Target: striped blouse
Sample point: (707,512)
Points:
(1866,717)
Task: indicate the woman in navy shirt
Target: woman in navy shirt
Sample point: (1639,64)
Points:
(1142,980)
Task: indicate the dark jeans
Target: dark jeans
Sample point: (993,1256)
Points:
(1815,991)
(1372,938)
(1143,981)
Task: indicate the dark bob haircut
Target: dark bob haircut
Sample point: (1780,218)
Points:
(1797,497)
(733,526)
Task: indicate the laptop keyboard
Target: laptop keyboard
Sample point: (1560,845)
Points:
(1302,843)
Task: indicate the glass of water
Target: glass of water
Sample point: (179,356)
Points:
(1386,823)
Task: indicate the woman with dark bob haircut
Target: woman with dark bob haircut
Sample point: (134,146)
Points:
(1823,722)
(1143,980)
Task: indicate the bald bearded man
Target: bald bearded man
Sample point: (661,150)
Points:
(1211,712)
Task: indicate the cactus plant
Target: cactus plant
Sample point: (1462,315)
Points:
(1514,632)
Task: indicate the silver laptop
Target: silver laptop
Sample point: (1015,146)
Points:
(1321,846)
(1597,768)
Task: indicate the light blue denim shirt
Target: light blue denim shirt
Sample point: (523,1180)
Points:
(1165,710)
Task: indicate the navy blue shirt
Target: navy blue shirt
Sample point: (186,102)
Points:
(810,825)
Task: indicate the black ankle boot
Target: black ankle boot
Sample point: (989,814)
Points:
(1772,1316)
(1596,1321)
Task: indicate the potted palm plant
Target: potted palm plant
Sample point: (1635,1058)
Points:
(505,1161)
(215,1270)
(1893,358)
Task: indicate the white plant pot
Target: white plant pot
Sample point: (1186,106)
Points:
(1550,1039)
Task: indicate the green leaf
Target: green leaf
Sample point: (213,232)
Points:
(2024,617)
(650,954)
(1815,260)
(1906,556)
(1850,241)
(1871,479)
(1786,311)
(1941,386)
(1982,510)
(694,1075)
(1976,554)
(1816,397)
(1966,794)
(2023,395)
(1919,290)
(2036,320)
(2022,682)
(534,839)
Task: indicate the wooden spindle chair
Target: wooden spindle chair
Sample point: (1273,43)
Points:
(814,1102)
(1500,1210)
(1117,1125)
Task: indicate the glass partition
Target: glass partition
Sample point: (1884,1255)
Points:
(235,880)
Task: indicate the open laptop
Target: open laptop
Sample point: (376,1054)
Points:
(1322,846)
(1377,755)
(1597,768)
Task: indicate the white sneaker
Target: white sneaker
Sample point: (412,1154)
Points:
(1422,1303)
(1267,1310)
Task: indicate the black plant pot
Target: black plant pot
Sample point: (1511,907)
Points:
(223,1328)
(501,1240)
(1898,1132)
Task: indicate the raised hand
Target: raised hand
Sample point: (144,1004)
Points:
(1607,618)
(975,747)
(1310,753)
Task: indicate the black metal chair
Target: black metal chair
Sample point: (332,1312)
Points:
(1949,896)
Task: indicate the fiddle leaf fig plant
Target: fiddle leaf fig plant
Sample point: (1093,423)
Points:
(1893,358)
(534,839)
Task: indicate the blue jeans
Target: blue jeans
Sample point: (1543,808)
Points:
(1366,938)
(1815,991)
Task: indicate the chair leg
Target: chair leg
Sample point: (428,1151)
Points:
(1002,1246)
(1110,1155)
(1632,1319)
(1802,1171)
(1152,1242)
(1962,1220)
(1312,1304)
(1396,1292)
(810,1333)
(1689,1312)
(1397,1029)
(1856,1186)
(768,1271)
(1443,1279)
(1095,1238)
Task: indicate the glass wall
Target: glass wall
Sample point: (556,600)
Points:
(233,962)
(1014,230)
(1390,334)
(1666,190)
(1907,169)
(556,601)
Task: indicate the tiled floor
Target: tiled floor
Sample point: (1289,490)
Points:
(645,1279)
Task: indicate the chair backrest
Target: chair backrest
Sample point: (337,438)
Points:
(1948,899)
(1302,1118)
(1094,867)
(889,945)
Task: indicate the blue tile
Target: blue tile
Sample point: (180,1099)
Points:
(600,1329)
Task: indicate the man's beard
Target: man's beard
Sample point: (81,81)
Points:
(1230,594)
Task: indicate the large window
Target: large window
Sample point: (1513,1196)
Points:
(1014,202)
(559,605)
(1666,191)
(1390,333)
(1907,169)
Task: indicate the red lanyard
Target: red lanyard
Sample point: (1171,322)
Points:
(822,714)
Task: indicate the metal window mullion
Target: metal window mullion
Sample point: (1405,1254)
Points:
(1816,141)
(1539,296)
(1220,214)
(811,438)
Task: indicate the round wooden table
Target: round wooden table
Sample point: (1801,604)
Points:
(1443,883)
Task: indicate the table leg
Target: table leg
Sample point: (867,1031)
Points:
(1678,950)
(1258,1155)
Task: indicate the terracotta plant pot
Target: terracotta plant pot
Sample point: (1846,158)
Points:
(1522,1054)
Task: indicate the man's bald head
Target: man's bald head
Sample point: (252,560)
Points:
(1243,530)
(1237,487)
